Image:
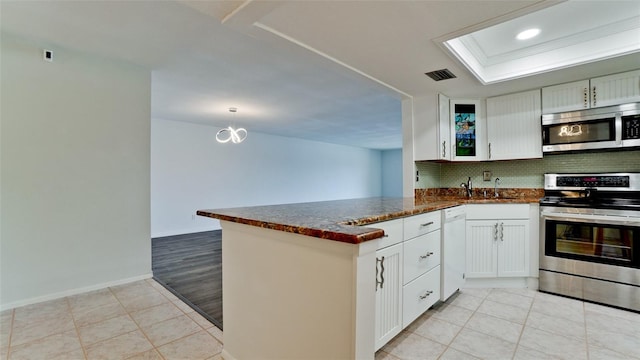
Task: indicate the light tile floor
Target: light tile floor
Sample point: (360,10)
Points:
(141,320)
(517,324)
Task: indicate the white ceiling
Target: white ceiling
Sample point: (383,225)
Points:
(332,71)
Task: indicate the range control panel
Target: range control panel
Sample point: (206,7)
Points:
(628,181)
(592,181)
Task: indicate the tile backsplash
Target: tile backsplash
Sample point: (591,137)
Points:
(524,173)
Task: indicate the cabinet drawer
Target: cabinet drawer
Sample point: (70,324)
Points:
(419,295)
(392,232)
(497,211)
(421,224)
(421,254)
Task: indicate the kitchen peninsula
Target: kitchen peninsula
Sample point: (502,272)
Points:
(299,279)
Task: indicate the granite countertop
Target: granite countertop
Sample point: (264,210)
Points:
(342,220)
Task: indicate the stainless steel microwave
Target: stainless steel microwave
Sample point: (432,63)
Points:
(600,128)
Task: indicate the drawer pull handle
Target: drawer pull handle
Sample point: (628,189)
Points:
(429,292)
(426,255)
(427,224)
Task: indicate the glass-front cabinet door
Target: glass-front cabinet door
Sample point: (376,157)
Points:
(467,130)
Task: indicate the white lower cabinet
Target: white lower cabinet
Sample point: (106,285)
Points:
(407,272)
(419,295)
(498,247)
(388,321)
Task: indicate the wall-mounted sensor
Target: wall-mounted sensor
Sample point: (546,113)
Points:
(47,55)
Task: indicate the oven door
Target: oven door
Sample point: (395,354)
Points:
(588,245)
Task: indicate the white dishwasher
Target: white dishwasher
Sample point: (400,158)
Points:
(453,251)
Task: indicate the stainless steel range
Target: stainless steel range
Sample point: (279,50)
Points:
(590,237)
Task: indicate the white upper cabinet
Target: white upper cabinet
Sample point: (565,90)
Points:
(565,97)
(441,134)
(444,130)
(615,89)
(514,126)
(597,92)
(426,129)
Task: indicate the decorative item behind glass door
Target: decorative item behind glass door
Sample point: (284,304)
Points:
(465,129)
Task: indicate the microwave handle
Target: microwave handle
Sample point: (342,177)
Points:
(618,125)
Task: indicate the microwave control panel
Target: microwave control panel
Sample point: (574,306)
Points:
(631,127)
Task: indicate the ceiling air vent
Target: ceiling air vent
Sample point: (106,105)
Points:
(439,75)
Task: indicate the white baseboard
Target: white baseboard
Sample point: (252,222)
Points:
(71,292)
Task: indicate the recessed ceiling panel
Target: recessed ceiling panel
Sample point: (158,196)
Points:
(571,33)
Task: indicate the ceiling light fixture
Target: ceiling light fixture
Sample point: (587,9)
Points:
(528,34)
(229,134)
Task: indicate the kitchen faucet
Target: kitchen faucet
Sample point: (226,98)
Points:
(495,188)
(469,187)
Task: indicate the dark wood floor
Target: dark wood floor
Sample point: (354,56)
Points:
(190,266)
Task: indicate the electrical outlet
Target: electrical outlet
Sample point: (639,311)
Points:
(47,55)
(486,175)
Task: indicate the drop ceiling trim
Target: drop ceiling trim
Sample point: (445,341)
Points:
(440,40)
(606,41)
(247,13)
(291,39)
(601,36)
(543,61)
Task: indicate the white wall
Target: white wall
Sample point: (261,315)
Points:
(74,173)
(392,173)
(191,171)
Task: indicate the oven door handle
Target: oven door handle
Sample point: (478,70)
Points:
(597,219)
